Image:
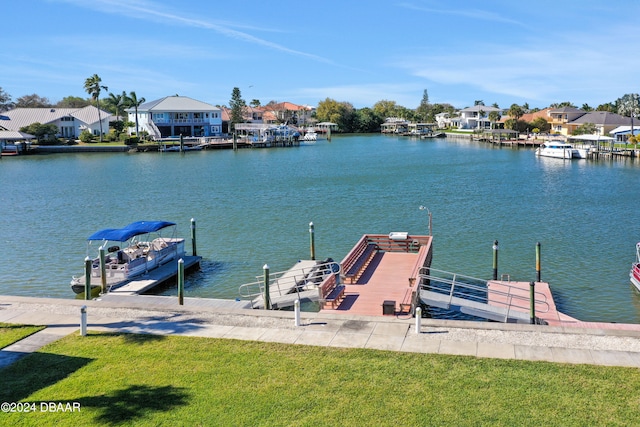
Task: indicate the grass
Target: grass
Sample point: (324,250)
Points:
(122,379)
(12,333)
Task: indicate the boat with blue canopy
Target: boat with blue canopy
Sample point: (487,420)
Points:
(131,251)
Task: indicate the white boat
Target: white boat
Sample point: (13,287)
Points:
(634,274)
(310,136)
(130,252)
(558,149)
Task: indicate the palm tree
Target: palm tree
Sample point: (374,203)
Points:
(516,112)
(117,101)
(93,87)
(494,116)
(133,101)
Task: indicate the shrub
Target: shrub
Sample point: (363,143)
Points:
(86,136)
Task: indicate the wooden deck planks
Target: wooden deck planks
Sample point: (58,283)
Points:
(387,278)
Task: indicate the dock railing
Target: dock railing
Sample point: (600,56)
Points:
(460,287)
(292,282)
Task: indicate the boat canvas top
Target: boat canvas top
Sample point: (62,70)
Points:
(131,230)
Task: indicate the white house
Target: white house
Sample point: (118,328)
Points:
(70,121)
(177,115)
(476,117)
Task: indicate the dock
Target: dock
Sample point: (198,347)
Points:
(386,283)
(298,283)
(155,277)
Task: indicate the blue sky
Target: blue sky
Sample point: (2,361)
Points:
(507,52)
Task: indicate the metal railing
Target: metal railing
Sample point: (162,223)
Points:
(289,282)
(478,290)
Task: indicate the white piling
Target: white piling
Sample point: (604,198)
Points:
(418,319)
(83,320)
(296,306)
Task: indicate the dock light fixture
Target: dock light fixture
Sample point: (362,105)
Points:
(424,208)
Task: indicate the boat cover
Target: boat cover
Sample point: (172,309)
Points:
(131,230)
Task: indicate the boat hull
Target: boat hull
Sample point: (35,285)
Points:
(634,275)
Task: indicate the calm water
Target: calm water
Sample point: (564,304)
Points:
(253,207)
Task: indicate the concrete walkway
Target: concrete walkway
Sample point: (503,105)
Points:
(607,346)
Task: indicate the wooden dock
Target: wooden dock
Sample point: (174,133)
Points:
(384,287)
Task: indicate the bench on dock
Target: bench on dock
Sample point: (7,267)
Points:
(423,253)
(331,293)
(357,260)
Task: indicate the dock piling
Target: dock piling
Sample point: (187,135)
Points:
(532,303)
(103,270)
(495,260)
(87,278)
(193,237)
(418,319)
(538,275)
(181,281)
(267,297)
(313,244)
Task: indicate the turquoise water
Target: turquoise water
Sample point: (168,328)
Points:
(254,207)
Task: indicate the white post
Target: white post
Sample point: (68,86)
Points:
(296,306)
(418,319)
(83,320)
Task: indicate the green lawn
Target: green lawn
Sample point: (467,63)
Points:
(180,381)
(12,333)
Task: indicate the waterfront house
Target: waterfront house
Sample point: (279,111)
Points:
(443,120)
(561,119)
(604,121)
(70,121)
(254,115)
(622,133)
(476,117)
(287,112)
(176,115)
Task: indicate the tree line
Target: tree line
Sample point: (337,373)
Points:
(342,113)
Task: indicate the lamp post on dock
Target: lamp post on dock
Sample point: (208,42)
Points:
(424,208)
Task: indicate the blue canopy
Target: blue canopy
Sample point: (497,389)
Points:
(131,230)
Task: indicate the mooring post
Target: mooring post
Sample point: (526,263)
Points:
(313,243)
(103,270)
(87,278)
(329,133)
(495,260)
(267,298)
(181,144)
(538,275)
(193,237)
(418,319)
(235,142)
(296,308)
(181,281)
(532,303)
(83,320)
